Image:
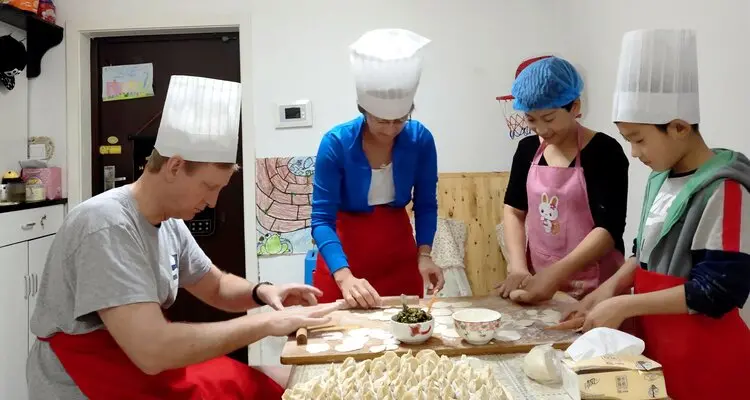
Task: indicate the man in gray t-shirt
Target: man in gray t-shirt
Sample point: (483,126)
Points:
(119,258)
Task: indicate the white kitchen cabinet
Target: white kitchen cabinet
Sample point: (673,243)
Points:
(25,239)
(14,332)
(38,249)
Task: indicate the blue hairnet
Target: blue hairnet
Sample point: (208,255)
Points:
(545,84)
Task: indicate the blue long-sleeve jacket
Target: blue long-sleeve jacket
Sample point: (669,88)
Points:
(342,181)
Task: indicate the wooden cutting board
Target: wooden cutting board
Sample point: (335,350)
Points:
(294,354)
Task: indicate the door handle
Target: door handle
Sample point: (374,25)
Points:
(28,226)
(36,284)
(44,218)
(26,287)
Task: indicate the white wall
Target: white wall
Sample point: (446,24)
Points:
(299,51)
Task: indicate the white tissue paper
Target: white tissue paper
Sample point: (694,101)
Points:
(543,364)
(600,342)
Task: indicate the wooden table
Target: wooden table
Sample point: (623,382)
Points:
(293,354)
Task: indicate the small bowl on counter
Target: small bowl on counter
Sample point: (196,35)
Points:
(477,326)
(414,332)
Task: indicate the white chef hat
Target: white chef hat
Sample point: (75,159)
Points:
(387,65)
(657,80)
(201,120)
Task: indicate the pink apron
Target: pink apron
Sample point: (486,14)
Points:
(559,218)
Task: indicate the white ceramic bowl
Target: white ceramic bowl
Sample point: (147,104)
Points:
(415,333)
(476,325)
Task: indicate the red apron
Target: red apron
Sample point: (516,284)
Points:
(703,358)
(380,247)
(101,370)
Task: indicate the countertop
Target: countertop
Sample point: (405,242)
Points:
(30,205)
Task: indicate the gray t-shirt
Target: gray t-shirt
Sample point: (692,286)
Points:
(106,254)
(657,215)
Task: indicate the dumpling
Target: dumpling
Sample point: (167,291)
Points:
(349,362)
(481,394)
(399,391)
(383,391)
(317,390)
(294,394)
(426,355)
(411,394)
(365,365)
(389,356)
(453,374)
(421,373)
(412,381)
(448,392)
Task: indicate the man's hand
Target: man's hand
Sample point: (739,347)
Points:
(515,280)
(432,275)
(609,313)
(539,287)
(287,321)
(293,294)
(356,291)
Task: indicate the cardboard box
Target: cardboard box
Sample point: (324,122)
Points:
(614,377)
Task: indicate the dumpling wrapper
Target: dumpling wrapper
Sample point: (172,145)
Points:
(507,336)
(315,348)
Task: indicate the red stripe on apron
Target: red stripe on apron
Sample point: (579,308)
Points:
(731,225)
(101,370)
(380,247)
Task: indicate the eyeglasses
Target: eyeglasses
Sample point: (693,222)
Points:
(386,122)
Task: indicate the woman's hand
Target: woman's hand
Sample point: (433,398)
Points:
(515,280)
(540,287)
(356,291)
(432,275)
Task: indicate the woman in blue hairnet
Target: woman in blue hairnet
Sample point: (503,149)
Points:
(566,199)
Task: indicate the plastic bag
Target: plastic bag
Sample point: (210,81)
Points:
(47,11)
(25,5)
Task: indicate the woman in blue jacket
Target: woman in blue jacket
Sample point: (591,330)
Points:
(366,172)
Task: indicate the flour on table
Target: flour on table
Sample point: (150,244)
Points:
(507,336)
(379,316)
(462,304)
(525,323)
(532,313)
(317,347)
(392,310)
(441,304)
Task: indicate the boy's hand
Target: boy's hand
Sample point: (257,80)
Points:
(609,313)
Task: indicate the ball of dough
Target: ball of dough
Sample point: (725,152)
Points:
(542,364)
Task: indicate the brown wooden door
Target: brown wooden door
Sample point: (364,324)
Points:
(134,123)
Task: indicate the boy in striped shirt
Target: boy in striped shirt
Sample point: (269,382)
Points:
(691,268)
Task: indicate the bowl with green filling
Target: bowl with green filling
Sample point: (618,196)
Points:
(412,325)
